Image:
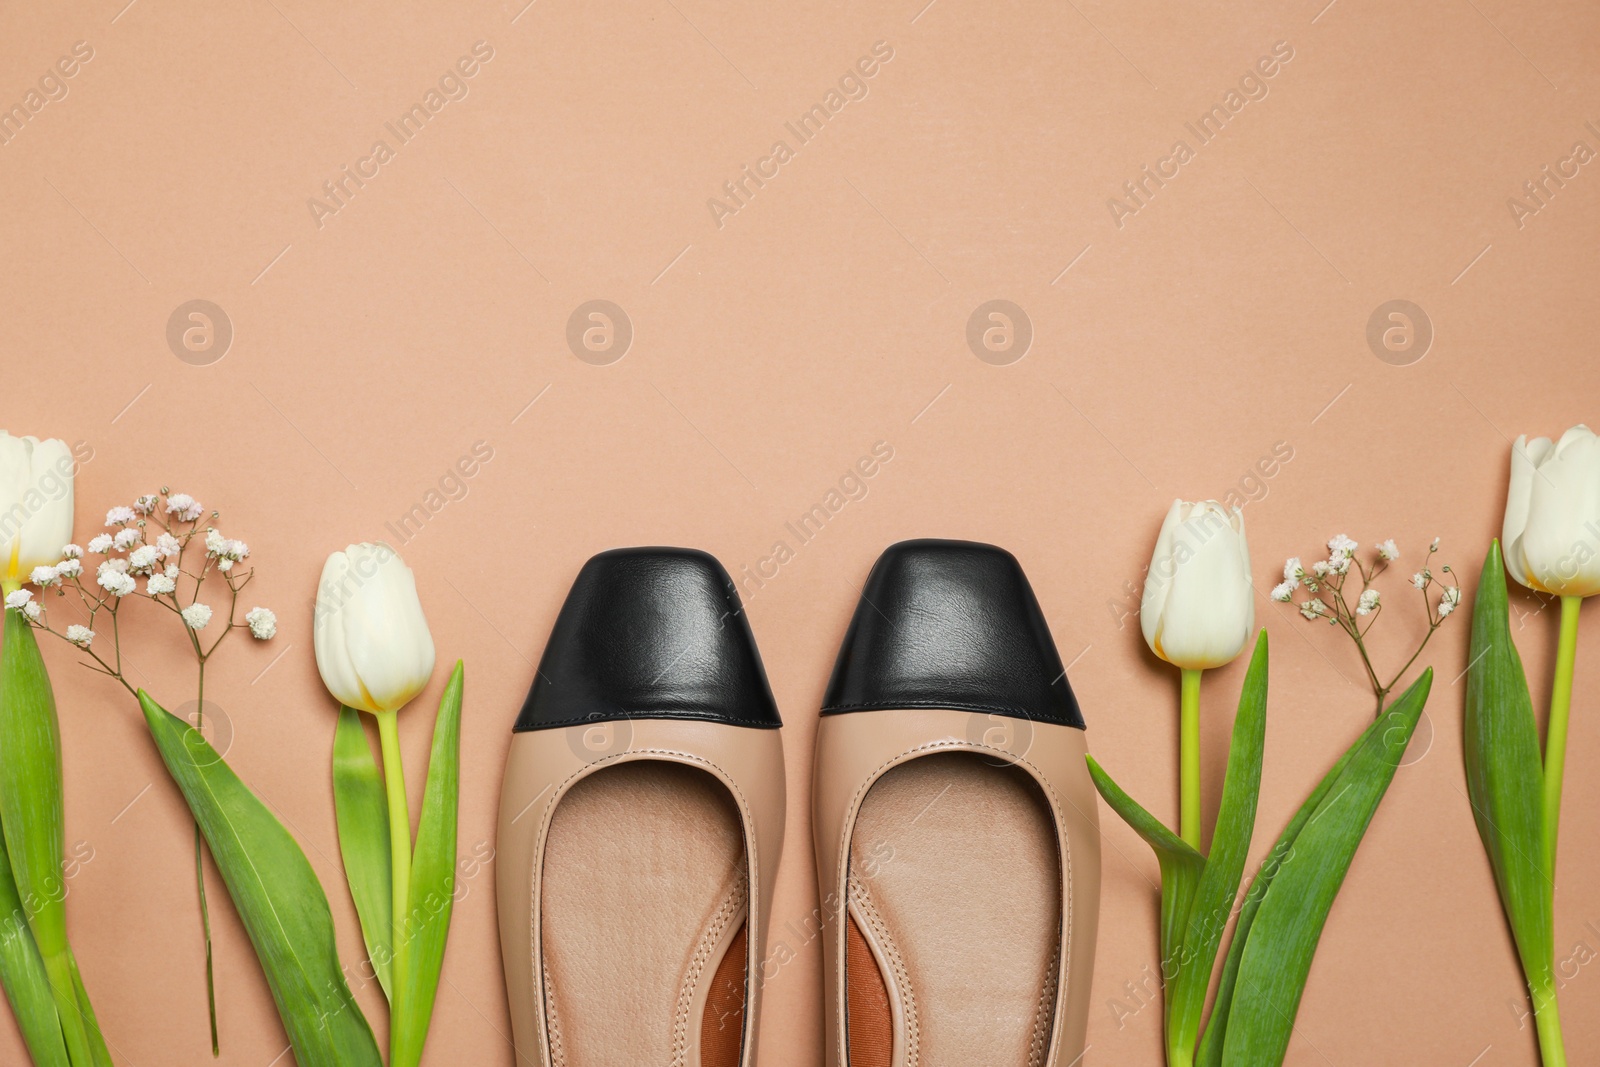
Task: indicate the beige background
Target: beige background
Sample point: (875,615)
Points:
(1170,356)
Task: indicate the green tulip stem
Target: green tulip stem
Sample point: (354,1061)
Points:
(394,780)
(1189,760)
(1555,746)
(1547,1021)
(200,880)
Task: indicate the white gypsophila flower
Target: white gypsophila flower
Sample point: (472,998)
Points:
(1420,579)
(19,599)
(1340,545)
(224,564)
(81,636)
(262,622)
(1320,568)
(159,585)
(120,516)
(1435,546)
(195,616)
(70,567)
(1283,591)
(127,537)
(1448,600)
(32,611)
(167,545)
(1387,550)
(172,571)
(145,504)
(44,576)
(235,550)
(142,560)
(120,566)
(100,544)
(71,552)
(1293,571)
(116,583)
(1314,608)
(1368,603)
(214,540)
(184,506)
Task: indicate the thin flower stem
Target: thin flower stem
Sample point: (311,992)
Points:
(1189,759)
(200,885)
(394,780)
(1555,745)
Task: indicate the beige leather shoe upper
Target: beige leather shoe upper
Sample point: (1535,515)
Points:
(855,750)
(543,766)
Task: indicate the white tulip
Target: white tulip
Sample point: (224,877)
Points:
(1198,606)
(35,504)
(373,647)
(1552,529)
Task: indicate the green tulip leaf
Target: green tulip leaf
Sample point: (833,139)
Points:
(1181,868)
(362,811)
(23,975)
(1210,1052)
(97,1041)
(1505,774)
(1230,846)
(1282,939)
(277,896)
(432,893)
(32,812)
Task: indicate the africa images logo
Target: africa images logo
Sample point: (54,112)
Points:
(1253,85)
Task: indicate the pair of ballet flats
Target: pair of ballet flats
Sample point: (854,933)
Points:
(954,824)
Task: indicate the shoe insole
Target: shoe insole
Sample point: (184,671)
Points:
(955,906)
(643,907)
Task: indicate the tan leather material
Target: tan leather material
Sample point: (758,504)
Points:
(543,767)
(712,955)
(953,856)
(854,751)
(871,1025)
(643,891)
(722,1018)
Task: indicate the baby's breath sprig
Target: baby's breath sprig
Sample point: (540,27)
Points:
(176,563)
(164,563)
(1330,586)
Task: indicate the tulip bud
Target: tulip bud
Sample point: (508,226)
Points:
(373,647)
(1552,528)
(1198,606)
(35,504)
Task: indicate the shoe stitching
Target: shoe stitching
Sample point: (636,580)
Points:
(1044,1016)
(858,894)
(681,1021)
(558,1049)
(1013,710)
(722,776)
(1065,952)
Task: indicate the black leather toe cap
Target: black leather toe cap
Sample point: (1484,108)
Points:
(650,633)
(951,624)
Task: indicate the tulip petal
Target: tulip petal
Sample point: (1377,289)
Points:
(1519,496)
(373,645)
(1559,549)
(1158,579)
(333,661)
(1209,606)
(48,500)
